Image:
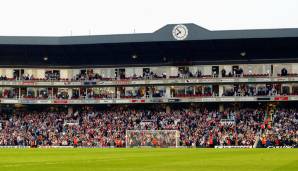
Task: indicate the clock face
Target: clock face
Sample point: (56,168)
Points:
(180,32)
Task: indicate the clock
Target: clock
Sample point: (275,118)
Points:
(180,32)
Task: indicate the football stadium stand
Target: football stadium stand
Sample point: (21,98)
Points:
(180,86)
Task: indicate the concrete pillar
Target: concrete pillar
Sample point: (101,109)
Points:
(115,93)
(194,90)
(70,109)
(168,109)
(35,91)
(221,108)
(203,89)
(69,92)
(150,91)
(19,92)
(118,93)
(168,92)
(220,90)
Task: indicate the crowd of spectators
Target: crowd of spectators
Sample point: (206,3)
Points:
(283,131)
(105,128)
(3,77)
(90,75)
(253,90)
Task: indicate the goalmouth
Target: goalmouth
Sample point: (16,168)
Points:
(152,138)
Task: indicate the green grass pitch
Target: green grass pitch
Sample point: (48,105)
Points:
(149,159)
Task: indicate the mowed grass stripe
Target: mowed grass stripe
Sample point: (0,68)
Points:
(149,159)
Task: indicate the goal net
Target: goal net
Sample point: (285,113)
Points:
(152,138)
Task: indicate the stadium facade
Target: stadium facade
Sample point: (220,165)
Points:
(177,64)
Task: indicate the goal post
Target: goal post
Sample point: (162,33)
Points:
(152,138)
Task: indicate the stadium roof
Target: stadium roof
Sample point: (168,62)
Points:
(200,46)
(162,35)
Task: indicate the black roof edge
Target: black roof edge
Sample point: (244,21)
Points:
(192,63)
(163,34)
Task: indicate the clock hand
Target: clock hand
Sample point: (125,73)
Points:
(178,32)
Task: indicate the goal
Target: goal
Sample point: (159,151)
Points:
(152,138)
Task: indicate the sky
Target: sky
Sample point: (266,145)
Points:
(98,17)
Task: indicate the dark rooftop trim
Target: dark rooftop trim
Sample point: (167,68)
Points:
(162,35)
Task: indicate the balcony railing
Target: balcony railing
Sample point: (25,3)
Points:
(148,100)
(168,81)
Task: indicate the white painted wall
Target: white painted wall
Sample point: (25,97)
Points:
(206,70)
(40,73)
(9,73)
(2,72)
(28,72)
(294,68)
(129,72)
(173,71)
(63,73)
